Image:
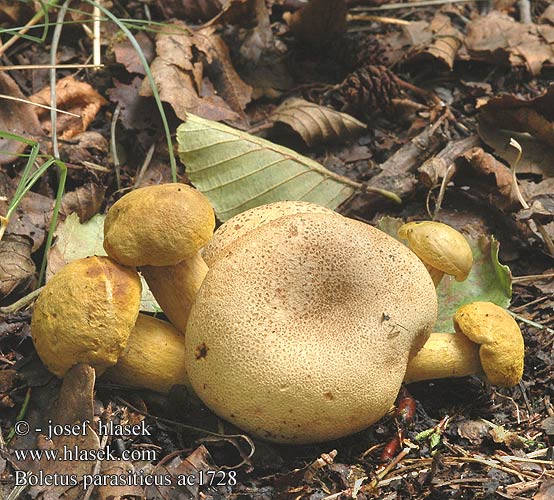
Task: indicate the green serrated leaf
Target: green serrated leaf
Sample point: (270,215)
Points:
(77,241)
(238,171)
(489,280)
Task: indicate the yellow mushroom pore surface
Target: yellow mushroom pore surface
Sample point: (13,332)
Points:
(85,314)
(440,246)
(158,225)
(154,357)
(302,331)
(502,350)
(246,221)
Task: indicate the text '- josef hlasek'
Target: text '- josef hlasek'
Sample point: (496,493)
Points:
(72,452)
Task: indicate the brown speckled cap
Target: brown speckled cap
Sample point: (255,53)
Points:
(85,314)
(158,225)
(302,330)
(249,220)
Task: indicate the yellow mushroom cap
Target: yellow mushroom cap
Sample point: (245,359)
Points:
(302,330)
(246,221)
(158,225)
(502,349)
(154,357)
(439,246)
(85,314)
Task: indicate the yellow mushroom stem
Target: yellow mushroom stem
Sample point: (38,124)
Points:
(175,287)
(154,357)
(445,355)
(436,274)
(487,342)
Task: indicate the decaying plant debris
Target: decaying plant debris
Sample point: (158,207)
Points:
(387,113)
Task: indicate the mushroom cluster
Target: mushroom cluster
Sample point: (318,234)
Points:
(300,325)
(89,311)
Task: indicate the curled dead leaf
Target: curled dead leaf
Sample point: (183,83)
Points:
(438,40)
(537,158)
(74,96)
(489,176)
(85,201)
(17,118)
(31,217)
(17,269)
(194,73)
(499,39)
(315,123)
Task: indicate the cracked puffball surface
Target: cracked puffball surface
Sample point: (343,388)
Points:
(302,329)
(85,314)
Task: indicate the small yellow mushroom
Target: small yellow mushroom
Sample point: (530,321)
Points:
(161,230)
(440,247)
(487,342)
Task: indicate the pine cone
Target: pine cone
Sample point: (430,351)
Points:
(368,90)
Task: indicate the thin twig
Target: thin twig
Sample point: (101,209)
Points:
(44,106)
(532,277)
(53,52)
(377,19)
(96,49)
(530,323)
(411,5)
(21,303)
(49,66)
(145,165)
(195,429)
(113,145)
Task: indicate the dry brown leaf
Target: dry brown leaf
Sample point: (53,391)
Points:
(499,39)
(30,218)
(535,116)
(487,175)
(438,40)
(473,430)
(548,15)
(86,146)
(136,112)
(318,23)
(74,96)
(127,55)
(241,12)
(17,269)
(541,209)
(74,405)
(85,201)
(315,123)
(537,158)
(221,72)
(199,460)
(205,84)
(193,10)
(546,491)
(17,118)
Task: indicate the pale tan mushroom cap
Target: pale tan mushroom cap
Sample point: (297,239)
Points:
(440,246)
(502,349)
(85,314)
(154,357)
(158,225)
(303,330)
(246,221)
